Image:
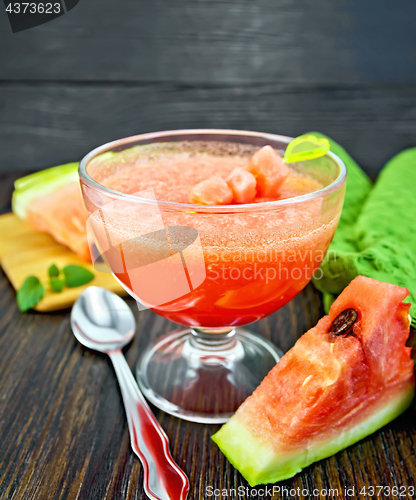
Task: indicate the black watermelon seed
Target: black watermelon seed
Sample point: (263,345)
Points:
(343,323)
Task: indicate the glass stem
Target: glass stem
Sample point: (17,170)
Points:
(213,339)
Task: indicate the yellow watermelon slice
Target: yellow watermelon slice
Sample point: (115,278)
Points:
(50,201)
(344,379)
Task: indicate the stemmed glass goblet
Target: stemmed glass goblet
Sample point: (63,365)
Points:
(212,269)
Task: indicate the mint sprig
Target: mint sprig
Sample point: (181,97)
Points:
(76,275)
(57,284)
(53,271)
(32,291)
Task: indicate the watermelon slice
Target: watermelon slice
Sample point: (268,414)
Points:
(50,201)
(212,191)
(344,379)
(242,184)
(269,170)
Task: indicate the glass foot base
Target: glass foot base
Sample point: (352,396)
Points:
(204,382)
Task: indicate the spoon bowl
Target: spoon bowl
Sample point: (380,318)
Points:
(102,320)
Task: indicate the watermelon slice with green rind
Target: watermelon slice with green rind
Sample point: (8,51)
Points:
(328,391)
(40,184)
(50,201)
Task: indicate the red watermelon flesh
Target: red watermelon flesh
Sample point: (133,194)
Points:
(242,184)
(269,170)
(328,391)
(212,191)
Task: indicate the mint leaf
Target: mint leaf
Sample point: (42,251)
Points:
(76,275)
(30,293)
(57,284)
(53,271)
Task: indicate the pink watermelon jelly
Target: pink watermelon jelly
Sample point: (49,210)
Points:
(256,260)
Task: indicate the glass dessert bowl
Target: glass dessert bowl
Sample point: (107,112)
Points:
(211,268)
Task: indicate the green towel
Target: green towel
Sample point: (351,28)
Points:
(376,235)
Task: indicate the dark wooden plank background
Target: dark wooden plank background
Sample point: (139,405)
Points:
(63,430)
(108,69)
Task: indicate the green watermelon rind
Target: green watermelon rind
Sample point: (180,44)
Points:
(40,184)
(258,463)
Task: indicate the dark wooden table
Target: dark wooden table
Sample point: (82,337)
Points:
(64,432)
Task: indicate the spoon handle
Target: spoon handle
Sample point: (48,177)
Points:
(163,479)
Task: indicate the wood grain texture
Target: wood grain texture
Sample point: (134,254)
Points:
(216,42)
(46,125)
(7,186)
(63,431)
(109,69)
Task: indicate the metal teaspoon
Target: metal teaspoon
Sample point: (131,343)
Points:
(103,321)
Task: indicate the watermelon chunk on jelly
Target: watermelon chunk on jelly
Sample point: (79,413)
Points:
(329,391)
(242,184)
(269,170)
(212,191)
